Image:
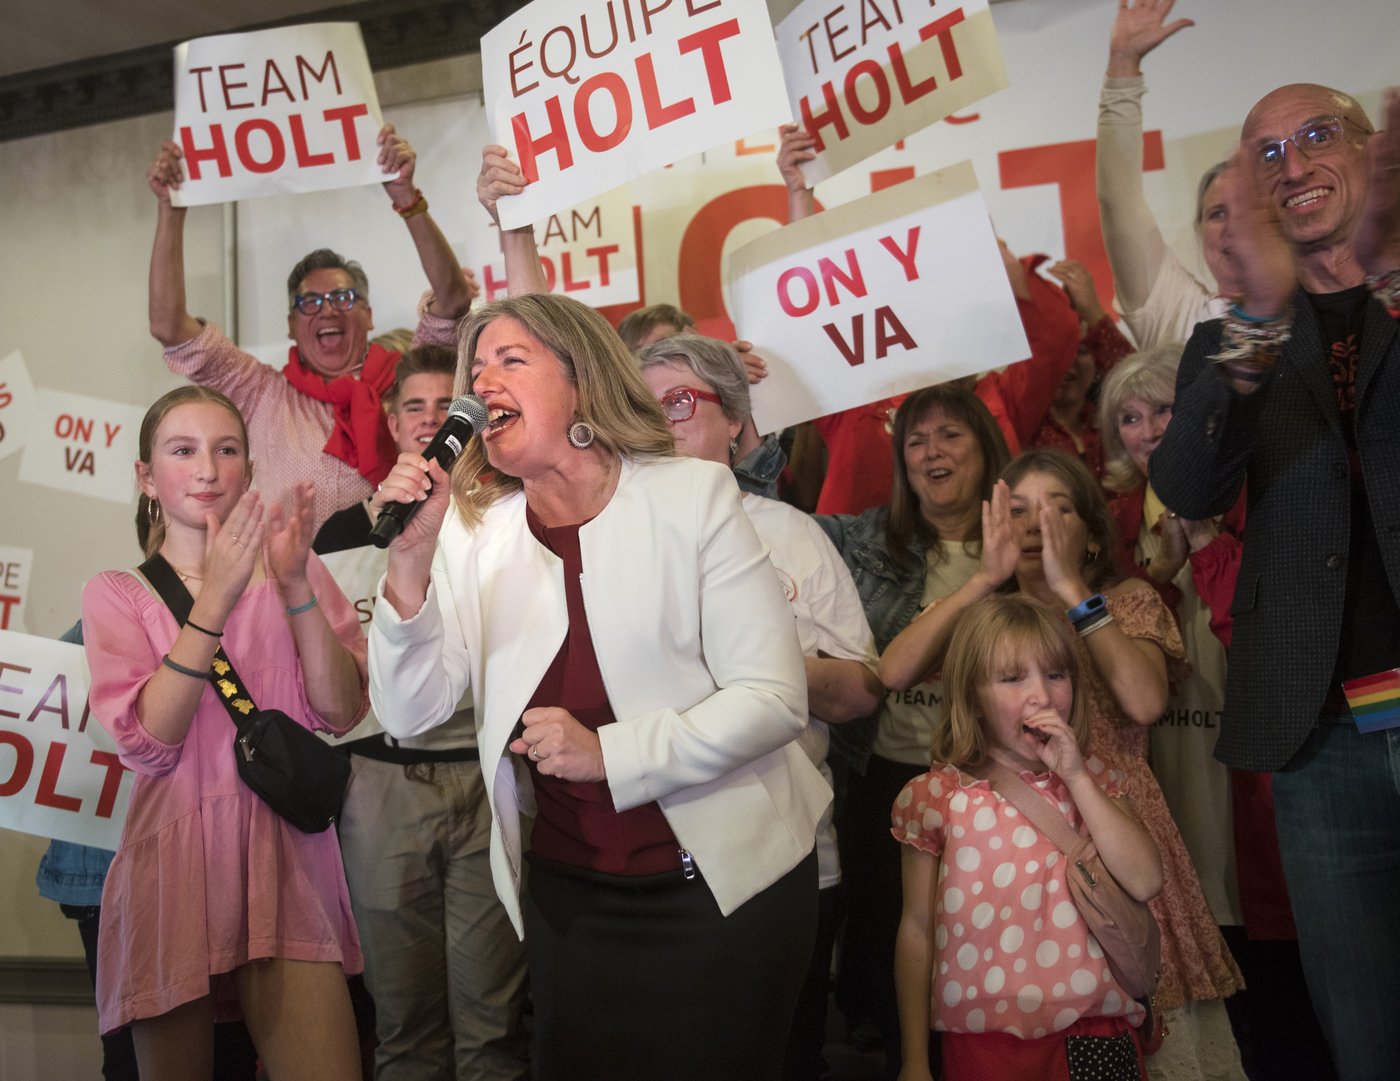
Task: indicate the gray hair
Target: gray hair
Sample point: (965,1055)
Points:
(325,259)
(714,361)
(1149,375)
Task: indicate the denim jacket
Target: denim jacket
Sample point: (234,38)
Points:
(759,470)
(73,874)
(891,597)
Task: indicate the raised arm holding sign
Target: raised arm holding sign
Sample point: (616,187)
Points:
(586,99)
(862,77)
(319,417)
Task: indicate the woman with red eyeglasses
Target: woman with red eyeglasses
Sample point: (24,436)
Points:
(704,393)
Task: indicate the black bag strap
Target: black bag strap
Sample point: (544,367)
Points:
(235,697)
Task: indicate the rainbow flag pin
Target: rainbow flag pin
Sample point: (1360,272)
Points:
(1374,700)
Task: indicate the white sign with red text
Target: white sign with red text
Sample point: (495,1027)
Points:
(59,772)
(863,74)
(16,403)
(883,295)
(15,564)
(82,444)
(286,110)
(588,252)
(588,95)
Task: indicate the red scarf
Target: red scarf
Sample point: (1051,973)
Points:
(359,435)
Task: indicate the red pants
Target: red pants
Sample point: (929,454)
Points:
(1091,1049)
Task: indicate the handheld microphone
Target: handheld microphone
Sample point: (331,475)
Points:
(465,417)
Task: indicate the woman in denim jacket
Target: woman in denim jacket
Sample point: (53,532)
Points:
(948,451)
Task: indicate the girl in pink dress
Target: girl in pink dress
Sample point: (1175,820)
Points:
(214,903)
(1048,531)
(992,952)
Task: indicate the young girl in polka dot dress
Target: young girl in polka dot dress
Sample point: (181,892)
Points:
(992,952)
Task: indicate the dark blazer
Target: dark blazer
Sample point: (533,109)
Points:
(1286,438)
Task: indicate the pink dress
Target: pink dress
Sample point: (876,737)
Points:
(1013,955)
(1196,964)
(207,877)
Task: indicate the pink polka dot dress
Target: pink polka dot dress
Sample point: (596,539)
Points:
(1012,953)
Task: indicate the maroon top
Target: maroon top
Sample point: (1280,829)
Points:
(576,823)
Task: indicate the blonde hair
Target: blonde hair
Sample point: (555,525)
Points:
(1149,375)
(612,396)
(150,520)
(991,634)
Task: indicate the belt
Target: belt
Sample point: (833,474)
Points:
(375,747)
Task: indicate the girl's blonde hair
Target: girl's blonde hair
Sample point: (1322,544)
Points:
(991,635)
(612,396)
(150,519)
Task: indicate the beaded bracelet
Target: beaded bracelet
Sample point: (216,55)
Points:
(418,206)
(184,670)
(1386,288)
(1247,338)
(300,608)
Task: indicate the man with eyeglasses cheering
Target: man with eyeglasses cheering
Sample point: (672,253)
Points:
(319,418)
(1297,390)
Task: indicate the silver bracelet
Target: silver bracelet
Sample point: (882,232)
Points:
(1084,632)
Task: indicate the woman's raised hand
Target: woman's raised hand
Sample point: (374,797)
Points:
(1140,26)
(499,176)
(289,536)
(1000,551)
(1058,557)
(231,549)
(166,173)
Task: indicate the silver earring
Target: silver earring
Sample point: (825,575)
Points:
(733,448)
(581,434)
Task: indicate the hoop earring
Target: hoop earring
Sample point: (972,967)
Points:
(153,515)
(581,434)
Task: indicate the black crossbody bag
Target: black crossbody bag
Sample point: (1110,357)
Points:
(285,765)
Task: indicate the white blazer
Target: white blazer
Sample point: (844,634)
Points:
(697,649)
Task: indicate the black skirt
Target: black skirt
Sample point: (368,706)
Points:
(642,978)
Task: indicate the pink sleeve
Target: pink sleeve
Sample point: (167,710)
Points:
(434,329)
(121,658)
(345,622)
(919,812)
(210,359)
(1141,613)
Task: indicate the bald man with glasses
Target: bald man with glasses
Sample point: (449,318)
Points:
(1297,391)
